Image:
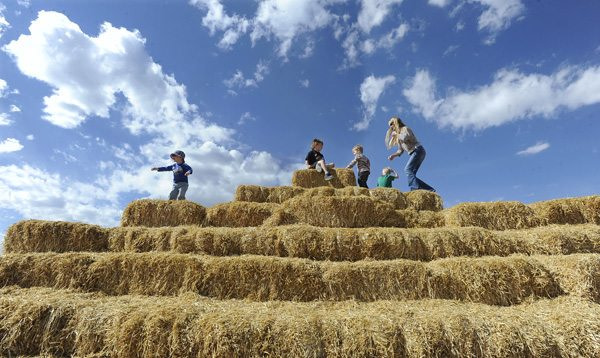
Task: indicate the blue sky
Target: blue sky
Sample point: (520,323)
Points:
(503,94)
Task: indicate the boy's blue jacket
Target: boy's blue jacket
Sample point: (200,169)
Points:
(178,171)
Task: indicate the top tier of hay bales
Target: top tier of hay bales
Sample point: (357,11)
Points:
(310,178)
(155,213)
(416,200)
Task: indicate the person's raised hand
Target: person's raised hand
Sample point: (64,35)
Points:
(155,168)
(391,157)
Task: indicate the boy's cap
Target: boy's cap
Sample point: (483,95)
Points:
(178,153)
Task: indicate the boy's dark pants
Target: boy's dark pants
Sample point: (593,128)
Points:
(362,179)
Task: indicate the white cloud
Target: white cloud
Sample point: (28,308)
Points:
(511,96)
(499,14)
(216,19)
(3,88)
(240,81)
(246,117)
(373,13)
(286,20)
(35,193)
(305,83)
(440,3)
(535,149)
(370,90)
(393,37)
(10,145)
(282,20)
(24,3)
(451,49)
(30,137)
(14,108)
(4,24)
(5,119)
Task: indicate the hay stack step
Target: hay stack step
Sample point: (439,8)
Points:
(65,323)
(156,213)
(491,280)
(310,178)
(505,215)
(303,241)
(417,200)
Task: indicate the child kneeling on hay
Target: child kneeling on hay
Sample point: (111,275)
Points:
(315,160)
(180,173)
(364,165)
(388,175)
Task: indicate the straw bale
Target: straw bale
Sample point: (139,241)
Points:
(390,195)
(66,323)
(156,213)
(568,211)
(310,178)
(501,215)
(239,214)
(493,280)
(579,274)
(490,280)
(424,200)
(319,191)
(351,191)
(253,193)
(338,211)
(411,218)
(58,236)
(280,194)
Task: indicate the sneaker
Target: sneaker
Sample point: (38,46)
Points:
(328,176)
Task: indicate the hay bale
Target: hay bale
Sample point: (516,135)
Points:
(280,194)
(335,211)
(568,211)
(578,275)
(239,214)
(65,323)
(156,213)
(57,236)
(253,193)
(310,178)
(319,191)
(390,195)
(501,215)
(420,219)
(424,200)
(351,191)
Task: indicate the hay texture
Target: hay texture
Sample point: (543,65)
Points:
(341,211)
(424,200)
(310,178)
(261,194)
(239,214)
(491,280)
(501,215)
(568,211)
(156,213)
(391,196)
(57,236)
(64,323)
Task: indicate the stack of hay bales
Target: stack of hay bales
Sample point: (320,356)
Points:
(308,271)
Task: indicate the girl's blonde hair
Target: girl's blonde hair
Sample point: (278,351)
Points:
(358,148)
(391,136)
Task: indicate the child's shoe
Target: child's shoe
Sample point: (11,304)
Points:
(328,176)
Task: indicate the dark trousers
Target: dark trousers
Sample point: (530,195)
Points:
(362,179)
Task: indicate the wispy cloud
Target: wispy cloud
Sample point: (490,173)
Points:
(238,80)
(246,117)
(305,83)
(535,149)
(370,90)
(10,145)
